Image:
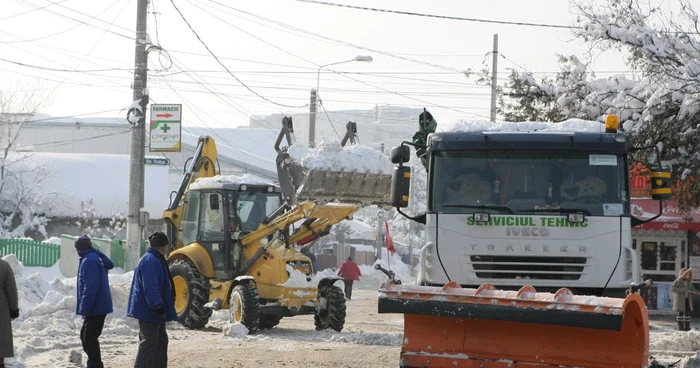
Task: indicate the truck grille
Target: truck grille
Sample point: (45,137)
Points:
(533,268)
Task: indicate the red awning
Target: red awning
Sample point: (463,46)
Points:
(671,219)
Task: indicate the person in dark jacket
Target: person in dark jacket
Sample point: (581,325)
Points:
(94,299)
(152,302)
(9,310)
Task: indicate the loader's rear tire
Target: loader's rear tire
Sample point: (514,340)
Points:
(191,293)
(268,321)
(334,315)
(245,307)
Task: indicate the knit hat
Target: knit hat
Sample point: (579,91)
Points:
(158,239)
(83,243)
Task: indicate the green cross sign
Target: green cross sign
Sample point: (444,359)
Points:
(165,128)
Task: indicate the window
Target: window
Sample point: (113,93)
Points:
(211,220)
(527,181)
(253,207)
(188,226)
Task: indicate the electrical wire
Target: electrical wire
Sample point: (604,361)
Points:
(30,11)
(439,16)
(222,64)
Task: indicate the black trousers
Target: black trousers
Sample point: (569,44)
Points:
(153,346)
(348,288)
(89,334)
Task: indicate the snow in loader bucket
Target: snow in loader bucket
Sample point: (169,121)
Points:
(485,327)
(332,173)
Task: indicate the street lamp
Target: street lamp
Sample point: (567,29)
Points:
(314,94)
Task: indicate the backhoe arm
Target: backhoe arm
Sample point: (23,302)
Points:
(202,166)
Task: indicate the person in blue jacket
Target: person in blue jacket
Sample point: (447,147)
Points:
(152,302)
(94,299)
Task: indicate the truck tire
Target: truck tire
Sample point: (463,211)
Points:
(191,293)
(245,307)
(268,321)
(334,315)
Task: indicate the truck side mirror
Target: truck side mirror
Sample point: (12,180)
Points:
(400,186)
(400,154)
(661,184)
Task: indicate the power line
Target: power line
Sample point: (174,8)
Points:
(30,11)
(87,71)
(439,16)
(222,64)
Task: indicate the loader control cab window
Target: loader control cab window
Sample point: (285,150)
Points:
(211,226)
(524,182)
(253,207)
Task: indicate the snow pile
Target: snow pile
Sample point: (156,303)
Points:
(570,125)
(369,338)
(677,341)
(47,321)
(330,155)
(247,178)
(371,278)
(235,330)
(297,279)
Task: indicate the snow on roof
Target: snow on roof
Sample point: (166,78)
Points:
(249,147)
(331,155)
(220,180)
(104,177)
(570,125)
(360,228)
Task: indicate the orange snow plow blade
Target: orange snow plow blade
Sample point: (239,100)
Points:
(489,328)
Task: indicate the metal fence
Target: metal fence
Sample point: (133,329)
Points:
(31,253)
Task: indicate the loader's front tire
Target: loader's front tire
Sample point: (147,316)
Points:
(268,321)
(191,293)
(333,316)
(245,307)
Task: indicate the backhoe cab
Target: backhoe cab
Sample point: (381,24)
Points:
(234,240)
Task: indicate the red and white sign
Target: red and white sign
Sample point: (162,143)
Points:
(671,219)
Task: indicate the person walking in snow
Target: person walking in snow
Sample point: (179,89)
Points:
(349,271)
(9,310)
(152,302)
(683,290)
(94,299)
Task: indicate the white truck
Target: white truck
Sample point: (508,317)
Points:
(510,208)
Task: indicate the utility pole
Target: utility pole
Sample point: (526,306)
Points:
(494,79)
(134,232)
(312,119)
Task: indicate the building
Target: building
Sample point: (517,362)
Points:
(387,125)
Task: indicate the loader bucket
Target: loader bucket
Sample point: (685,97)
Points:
(301,183)
(488,328)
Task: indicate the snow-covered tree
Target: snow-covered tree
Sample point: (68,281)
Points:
(116,224)
(658,103)
(88,222)
(22,202)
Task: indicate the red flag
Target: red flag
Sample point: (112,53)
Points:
(389,241)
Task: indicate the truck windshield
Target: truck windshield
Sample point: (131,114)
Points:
(526,181)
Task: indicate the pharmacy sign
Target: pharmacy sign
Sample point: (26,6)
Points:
(166,128)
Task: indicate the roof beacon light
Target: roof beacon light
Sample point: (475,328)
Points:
(611,122)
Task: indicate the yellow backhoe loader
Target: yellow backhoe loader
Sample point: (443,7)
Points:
(234,238)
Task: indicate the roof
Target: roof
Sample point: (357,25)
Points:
(603,142)
(670,219)
(250,148)
(102,177)
(232,182)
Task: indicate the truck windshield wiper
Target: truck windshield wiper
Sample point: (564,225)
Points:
(560,210)
(481,207)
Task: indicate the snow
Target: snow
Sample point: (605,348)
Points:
(238,179)
(330,155)
(371,278)
(570,125)
(235,330)
(75,177)
(297,279)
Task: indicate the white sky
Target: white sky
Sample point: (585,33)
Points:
(86,48)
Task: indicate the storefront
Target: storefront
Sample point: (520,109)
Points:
(665,245)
